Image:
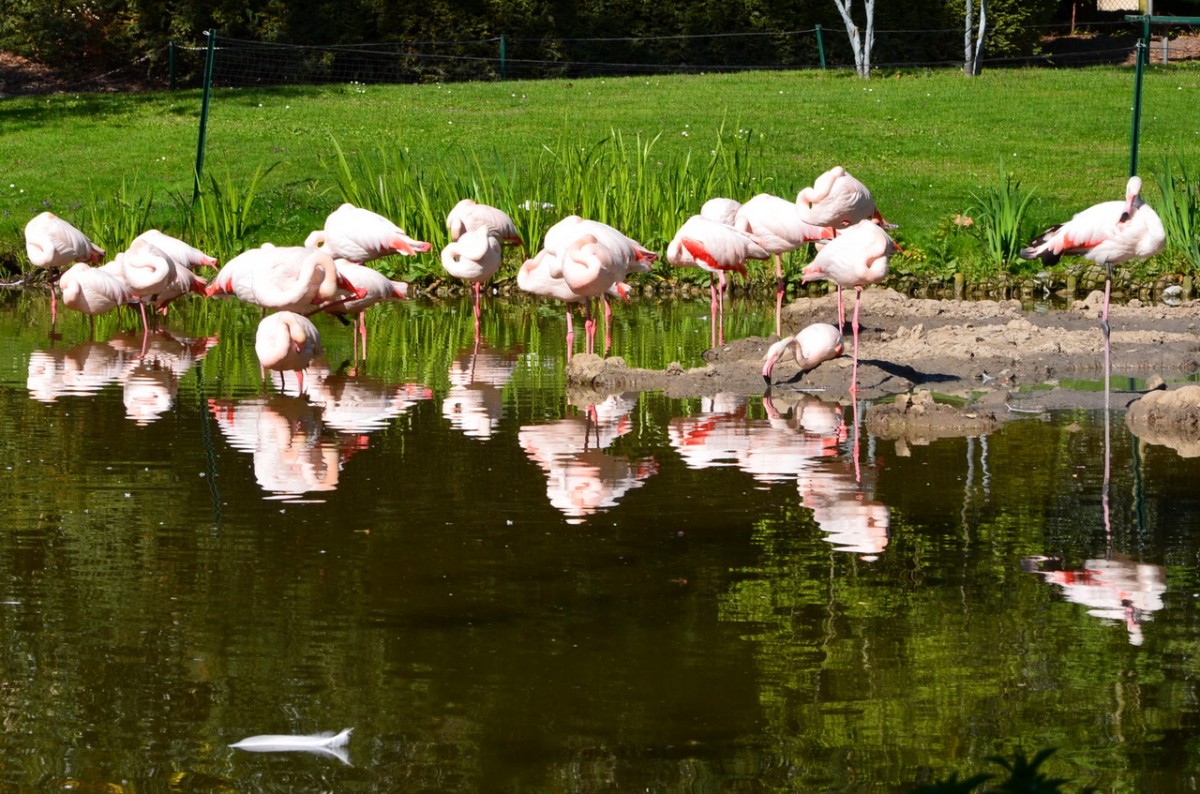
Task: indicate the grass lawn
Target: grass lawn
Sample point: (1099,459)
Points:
(923,141)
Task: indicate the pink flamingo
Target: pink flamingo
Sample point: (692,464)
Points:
(810,347)
(837,199)
(468,215)
(474,256)
(1109,233)
(855,258)
(92,291)
(543,276)
(375,288)
(53,244)
(286,341)
(359,235)
(176,250)
(299,280)
(778,227)
(716,248)
(154,277)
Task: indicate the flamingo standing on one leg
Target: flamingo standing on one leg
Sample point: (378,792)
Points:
(468,215)
(714,247)
(375,287)
(839,200)
(53,244)
(778,227)
(810,347)
(1109,233)
(286,341)
(474,256)
(855,258)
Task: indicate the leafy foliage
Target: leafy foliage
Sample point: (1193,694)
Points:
(1000,213)
(1179,209)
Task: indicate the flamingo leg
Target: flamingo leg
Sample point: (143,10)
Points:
(721,307)
(607,324)
(712,312)
(1107,293)
(478,289)
(778,295)
(589,327)
(854,368)
(570,333)
(841,309)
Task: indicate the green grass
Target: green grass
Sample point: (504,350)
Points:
(924,142)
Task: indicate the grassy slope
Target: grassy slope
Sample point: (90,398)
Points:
(923,142)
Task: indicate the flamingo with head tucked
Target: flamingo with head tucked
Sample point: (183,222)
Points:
(474,256)
(716,248)
(359,235)
(53,244)
(855,258)
(92,291)
(778,227)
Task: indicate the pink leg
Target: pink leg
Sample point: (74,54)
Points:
(841,309)
(570,333)
(712,309)
(478,289)
(854,368)
(1104,314)
(607,324)
(778,295)
(589,328)
(362,332)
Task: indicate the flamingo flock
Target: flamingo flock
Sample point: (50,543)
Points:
(582,261)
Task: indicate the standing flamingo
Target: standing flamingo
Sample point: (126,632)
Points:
(810,347)
(90,290)
(778,227)
(375,288)
(53,244)
(855,258)
(716,248)
(359,235)
(837,199)
(154,277)
(299,280)
(1109,233)
(543,276)
(286,341)
(474,256)
(468,215)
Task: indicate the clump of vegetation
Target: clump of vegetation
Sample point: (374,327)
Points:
(1179,209)
(1024,775)
(999,213)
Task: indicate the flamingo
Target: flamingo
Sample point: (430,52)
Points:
(543,275)
(359,235)
(375,287)
(468,215)
(473,256)
(92,291)
(1109,233)
(855,258)
(778,226)
(286,341)
(297,279)
(837,199)
(810,347)
(53,244)
(714,247)
(722,210)
(179,252)
(154,277)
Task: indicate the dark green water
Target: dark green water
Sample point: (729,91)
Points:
(501,587)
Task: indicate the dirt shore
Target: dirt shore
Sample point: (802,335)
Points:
(997,359)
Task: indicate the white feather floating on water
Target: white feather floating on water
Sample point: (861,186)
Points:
(324,743)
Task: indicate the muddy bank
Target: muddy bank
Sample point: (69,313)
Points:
(998,359)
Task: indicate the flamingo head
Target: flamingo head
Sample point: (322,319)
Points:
(1132,189)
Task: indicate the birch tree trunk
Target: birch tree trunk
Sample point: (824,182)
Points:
(861,41)
(973,40)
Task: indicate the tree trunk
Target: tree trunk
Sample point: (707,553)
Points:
(861,43)
(973,40)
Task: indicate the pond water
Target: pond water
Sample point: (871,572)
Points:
(499,584)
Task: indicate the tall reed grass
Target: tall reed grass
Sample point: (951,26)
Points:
(1000,215)
(1179,209)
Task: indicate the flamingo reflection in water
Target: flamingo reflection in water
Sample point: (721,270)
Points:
(474,402)
(355,404)
(292,457)
(1117,589)
(151,383)
(770,450)
(85,369)
(581,478)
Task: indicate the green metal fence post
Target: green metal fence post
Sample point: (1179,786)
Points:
(171,65)
(1138,70)
(821,46)
(503,56)
(208,70)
